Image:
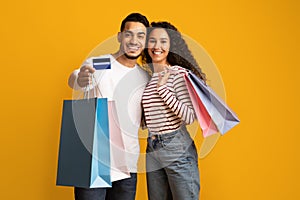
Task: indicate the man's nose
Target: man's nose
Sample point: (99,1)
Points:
(134,39)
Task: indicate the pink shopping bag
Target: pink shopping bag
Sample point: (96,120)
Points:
(207,125)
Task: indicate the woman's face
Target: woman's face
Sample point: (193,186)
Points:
(159,46)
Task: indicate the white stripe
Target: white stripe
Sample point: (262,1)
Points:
(102,63)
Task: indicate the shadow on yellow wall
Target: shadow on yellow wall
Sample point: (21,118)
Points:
(254,44)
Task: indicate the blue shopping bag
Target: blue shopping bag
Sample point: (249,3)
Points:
(84,151)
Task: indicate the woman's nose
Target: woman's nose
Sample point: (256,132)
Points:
(157,45)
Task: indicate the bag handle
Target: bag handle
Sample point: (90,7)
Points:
(95,90)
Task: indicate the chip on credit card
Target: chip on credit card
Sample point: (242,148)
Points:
(101,63)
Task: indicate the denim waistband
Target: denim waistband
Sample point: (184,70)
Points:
(167,135)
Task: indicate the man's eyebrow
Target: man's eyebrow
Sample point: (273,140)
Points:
(132,33)
(128,31)
(141,32)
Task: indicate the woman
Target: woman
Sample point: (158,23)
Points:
(172,160)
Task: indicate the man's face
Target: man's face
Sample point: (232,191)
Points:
(132,39)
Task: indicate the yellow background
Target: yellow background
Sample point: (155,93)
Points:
(255,45)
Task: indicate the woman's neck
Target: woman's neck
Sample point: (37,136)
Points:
(159,67)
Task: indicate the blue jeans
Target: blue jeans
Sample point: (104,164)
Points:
(121,190)
(172,167)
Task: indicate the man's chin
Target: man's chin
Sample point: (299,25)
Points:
(132,57)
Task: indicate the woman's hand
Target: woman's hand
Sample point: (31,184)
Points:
(162,79)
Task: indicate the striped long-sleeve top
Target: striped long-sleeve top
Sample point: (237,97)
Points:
(167,107)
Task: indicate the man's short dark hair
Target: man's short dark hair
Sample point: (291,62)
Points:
(135,17)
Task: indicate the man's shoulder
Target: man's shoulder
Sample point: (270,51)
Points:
(143,72)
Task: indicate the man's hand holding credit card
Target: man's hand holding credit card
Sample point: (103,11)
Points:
(98,63)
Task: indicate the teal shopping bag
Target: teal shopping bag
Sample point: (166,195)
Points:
(84,151)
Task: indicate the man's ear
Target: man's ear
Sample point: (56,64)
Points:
(119,37)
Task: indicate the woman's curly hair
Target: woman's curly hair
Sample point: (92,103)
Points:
(179,53)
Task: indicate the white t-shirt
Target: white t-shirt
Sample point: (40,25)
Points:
(125,86)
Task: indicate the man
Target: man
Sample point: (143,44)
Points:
(123,83)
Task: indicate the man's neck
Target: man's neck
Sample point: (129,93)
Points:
(121,58)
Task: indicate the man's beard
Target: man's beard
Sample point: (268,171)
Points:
(132,57)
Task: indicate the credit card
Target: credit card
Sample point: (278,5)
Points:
(101,63)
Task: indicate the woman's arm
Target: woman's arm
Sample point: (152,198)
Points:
(180,103)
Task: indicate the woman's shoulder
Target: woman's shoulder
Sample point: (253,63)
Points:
(178,70)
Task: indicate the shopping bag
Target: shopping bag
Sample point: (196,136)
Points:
(84,151)
(207,126)
(118,164)
(222,116)
(119,169)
